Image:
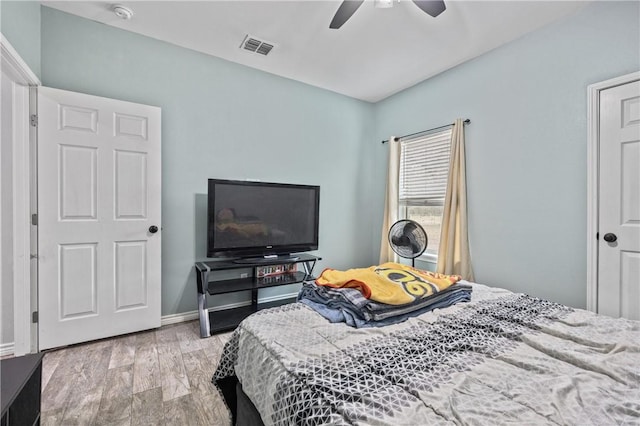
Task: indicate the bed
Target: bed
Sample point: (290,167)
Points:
(502,358)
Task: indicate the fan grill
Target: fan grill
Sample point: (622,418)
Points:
(408,239)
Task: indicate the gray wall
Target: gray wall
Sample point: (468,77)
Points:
(20,24)
(526,145)
(223,120)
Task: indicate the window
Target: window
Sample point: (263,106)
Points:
(424,170)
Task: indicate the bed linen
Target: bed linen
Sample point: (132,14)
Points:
(348,305)
(389,283)
(502,358)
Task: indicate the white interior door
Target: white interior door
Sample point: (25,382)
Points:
(619,202)
(98,197)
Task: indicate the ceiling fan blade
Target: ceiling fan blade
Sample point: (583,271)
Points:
(346,9)
(431,7)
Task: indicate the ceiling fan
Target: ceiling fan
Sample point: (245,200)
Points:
(348,8)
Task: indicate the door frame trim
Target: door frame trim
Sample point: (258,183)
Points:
(593,143)
(24,282)
(19,69)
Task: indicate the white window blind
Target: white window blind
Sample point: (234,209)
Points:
(424,169)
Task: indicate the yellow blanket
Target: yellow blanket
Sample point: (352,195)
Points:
(391,283)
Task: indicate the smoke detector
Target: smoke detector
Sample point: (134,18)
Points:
(253,44)
(122,12)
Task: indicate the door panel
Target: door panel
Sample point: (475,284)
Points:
(131,274)
(630,285)
(629,176)
(619,201)
(77,118)
(78,182)
(98,194)
(130,125)
(77,282)
(131,185)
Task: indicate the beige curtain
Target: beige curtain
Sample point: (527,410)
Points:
(453,253)
(390,201)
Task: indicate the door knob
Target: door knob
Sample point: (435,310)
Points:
(153,229)
(610,238)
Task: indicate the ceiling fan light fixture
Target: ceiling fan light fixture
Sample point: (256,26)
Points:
(383,4)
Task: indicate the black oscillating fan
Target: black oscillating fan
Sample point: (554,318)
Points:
(408,239)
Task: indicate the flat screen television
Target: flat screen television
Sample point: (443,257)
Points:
(259,220)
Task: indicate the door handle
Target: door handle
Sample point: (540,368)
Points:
(610,238)
(153,229)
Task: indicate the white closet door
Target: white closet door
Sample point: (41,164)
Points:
(99,183)
(619,202)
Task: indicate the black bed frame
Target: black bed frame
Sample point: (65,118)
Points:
(243,412)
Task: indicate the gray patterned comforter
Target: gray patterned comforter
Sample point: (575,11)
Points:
(502,358)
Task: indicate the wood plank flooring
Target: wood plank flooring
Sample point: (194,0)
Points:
(157,377)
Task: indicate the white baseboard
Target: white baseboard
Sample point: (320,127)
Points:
(193,315)
(176,318)
(6,349)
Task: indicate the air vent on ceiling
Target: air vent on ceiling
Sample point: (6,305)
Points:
(253,44)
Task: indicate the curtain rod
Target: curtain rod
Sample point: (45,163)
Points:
(396,139)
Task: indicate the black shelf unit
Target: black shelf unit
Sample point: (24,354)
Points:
(20,389)
(228,319)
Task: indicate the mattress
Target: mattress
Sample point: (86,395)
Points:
(502,358)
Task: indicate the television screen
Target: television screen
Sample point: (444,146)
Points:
(261,219)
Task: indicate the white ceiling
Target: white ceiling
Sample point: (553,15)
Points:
(376,53)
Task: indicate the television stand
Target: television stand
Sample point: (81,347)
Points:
(267,260)
(212,278)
